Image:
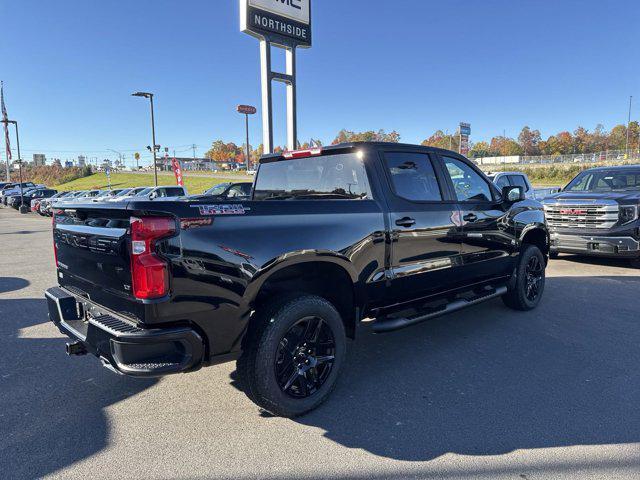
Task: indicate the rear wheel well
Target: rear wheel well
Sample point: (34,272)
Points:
(325,279)
(537,237)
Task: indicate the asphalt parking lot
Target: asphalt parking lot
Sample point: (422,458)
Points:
(486,393)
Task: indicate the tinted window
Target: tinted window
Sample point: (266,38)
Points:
(467,183)
(413,176)
(502,182)
(519,181)
(340,176)
(173,192)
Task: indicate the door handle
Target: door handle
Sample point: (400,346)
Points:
(405,222)
(470,217)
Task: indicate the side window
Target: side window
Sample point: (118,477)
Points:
(502,182)
(519,181)
(467,183)
(174,192)
(413,176)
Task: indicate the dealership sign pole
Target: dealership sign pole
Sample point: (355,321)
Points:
(464,132)
(247,110)
(285,24)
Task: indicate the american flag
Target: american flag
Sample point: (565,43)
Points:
(5,119)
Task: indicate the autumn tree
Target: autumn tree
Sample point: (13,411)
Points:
(504,146)
(444,140)
(345,136)
(479,150)
(529,141)
(222,152)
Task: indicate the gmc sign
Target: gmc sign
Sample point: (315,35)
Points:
(286,22)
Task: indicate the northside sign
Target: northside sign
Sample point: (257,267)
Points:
(286,22)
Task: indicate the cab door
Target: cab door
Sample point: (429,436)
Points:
(425,246)
(488,238)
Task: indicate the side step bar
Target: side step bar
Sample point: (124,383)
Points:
(391,324)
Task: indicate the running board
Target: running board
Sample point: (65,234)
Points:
(391,324)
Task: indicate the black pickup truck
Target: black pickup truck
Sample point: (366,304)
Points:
(397,234)
(597,214)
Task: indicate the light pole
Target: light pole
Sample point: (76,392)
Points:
(23,207)
(247,110)
(626,145)
(153,132)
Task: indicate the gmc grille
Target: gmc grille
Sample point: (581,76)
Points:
(581,216)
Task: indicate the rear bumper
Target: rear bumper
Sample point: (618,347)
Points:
(121,345)
(601,246)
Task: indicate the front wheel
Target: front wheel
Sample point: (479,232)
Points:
(530,280)
(293,355)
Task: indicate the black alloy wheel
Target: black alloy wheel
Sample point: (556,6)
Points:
(305,357)
(534,273)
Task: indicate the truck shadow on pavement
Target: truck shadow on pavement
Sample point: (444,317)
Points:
(9,284)
(489,380)
(52,407)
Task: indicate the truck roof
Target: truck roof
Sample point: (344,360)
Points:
(615,167)
(353,145)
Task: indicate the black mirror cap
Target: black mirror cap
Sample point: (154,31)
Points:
(513,193)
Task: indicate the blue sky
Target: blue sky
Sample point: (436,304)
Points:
(410,65)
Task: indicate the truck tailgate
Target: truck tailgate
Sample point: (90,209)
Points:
(93,254)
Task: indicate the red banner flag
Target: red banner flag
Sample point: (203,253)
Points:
(177,171)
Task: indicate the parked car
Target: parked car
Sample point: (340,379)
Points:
(596,214)
(38,194)
(13,198)
(230,190)
(44,203)
(127,192)
(106,195)
(503,179)
(12,188)
(44,207)
(396,233)
(163,193)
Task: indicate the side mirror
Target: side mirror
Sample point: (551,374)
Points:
(512,194)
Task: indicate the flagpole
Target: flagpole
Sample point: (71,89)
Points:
(7,150)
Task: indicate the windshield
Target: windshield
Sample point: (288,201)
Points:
(605,181)
(144,191)
(218,189)
(123,192)
(340,176)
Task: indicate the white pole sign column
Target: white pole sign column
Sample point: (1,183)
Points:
(285,24)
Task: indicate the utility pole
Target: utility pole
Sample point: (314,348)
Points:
(626,145)
(193,147)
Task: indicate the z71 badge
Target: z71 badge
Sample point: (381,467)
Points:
(231,209)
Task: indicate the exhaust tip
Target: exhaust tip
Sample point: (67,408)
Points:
(75,348)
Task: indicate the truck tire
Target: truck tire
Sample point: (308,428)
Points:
(293,354)
(530,280)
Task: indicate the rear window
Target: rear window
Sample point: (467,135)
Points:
(340,176)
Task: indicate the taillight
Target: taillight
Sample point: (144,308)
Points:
(149,272)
